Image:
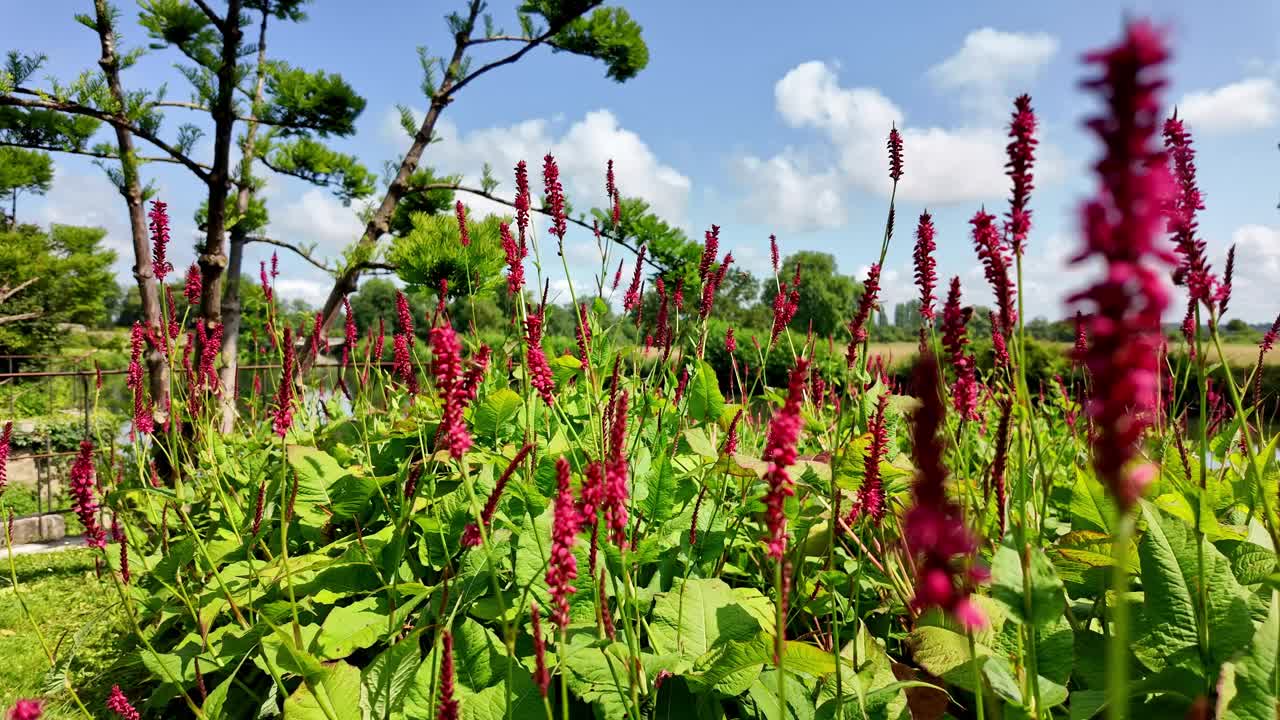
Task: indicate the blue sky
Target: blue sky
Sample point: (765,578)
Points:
(761,121)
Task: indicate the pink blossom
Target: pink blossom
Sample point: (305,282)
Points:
(933,528)
(780,453)
(895,154)
(926,273)
(995,266)
(541,677)
(471,534)
(193,287)
(631,301)
(446,367)
(6,436)
(1120,227)
(26,710)
(282,416)
(540,376)
(964,393)
(464,237)
(447,707)
(515,260)
(83,488)
(159,224)
(555,196)
(522,202)
(871,492)
(1022,155)
(562,569)
(866,303)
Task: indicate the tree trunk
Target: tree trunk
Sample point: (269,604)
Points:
(131,188)
(380,222)
(231,296)
(213,258)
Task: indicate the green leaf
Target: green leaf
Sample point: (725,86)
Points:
(388,678)
(732,667)
(350,495)
(1171,577)
(1246,684)
(1047,600)
(316,471)
(335,695)
(706,403)
(659,501)
(498,408)
(357,626)
(699,613)
(1091,508)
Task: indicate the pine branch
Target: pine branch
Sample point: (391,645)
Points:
(89,153)
(218,22)
(201,108)
(73,108)
(295,249)
(447,92)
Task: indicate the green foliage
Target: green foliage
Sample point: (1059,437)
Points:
(316,101)
(73,283)
(827,298)
(418,200)
(312,161)
(38,128)
(24,171)
(433,252)
(607,34)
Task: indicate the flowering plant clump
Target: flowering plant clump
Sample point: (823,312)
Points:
(586,497)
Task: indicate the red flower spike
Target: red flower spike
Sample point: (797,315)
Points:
(1022,155)
(1121,224)
(780,453)
(119,704)
(562,568)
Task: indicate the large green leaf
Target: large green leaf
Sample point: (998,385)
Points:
(1171,577)
(1091,508)
(359,625)
(497,410)
(1046,600)
(335,695)
(388,678)
(1246,685)
(700,613)
(706,402)
(316,472)
(734,666)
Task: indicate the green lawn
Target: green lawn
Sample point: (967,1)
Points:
(78,622)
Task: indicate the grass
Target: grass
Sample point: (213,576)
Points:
(71,605)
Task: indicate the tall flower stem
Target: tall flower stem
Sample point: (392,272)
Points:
(1118,643)
(979,695)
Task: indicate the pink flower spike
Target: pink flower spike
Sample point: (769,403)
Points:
(119,704)
(460,211)
(780,453)
(562,568)
(26,710)
(159,224)
(895,154)
(1022,155)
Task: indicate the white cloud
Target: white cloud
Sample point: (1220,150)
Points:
(809,95)
(1257,267)
(991,62)
(316,217)
(943,165)
(581,153)
(1250,104)
(313,291)
(785,195)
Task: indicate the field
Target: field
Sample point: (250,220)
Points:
(677,492)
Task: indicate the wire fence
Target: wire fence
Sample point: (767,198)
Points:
(62,400)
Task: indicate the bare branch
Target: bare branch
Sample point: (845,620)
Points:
(72,108)
(19,317)
(300,252)
(6,292)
